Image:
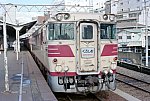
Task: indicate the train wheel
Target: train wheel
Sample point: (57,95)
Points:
(95,88)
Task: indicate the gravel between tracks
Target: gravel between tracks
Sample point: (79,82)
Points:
(132,91)
(110,96)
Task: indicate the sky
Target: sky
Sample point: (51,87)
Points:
(27,2)
(27,16)
(42,2)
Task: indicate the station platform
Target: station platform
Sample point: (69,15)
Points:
(34,86)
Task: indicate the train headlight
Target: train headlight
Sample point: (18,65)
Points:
(59,17)
(111,17)
(106,72)
(66,16)
(113,65)
(105,17)
(58,68)
(111,71)
(66,68)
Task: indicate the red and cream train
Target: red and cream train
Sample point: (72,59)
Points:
(77,52)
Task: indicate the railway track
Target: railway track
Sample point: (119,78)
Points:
(136,83)
(76,97)
(135,67)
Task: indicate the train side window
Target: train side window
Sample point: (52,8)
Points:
(51,31)
(87,32)
(107,31)
(61,31)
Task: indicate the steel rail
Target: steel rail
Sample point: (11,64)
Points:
(133,78)
(132,85)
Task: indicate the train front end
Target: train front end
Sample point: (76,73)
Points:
(82,53)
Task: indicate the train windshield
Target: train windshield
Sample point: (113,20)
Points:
(108,31)
(61,31)
(87,31)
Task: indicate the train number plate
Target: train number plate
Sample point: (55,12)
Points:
(87,52)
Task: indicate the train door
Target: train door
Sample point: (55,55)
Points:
(88,44)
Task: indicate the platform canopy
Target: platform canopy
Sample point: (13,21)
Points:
(12,32)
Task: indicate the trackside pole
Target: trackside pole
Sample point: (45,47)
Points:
(146,33)
(5,53)
(17,43)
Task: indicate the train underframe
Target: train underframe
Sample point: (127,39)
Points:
(81,84)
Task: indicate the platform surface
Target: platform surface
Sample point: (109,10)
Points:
(34,86)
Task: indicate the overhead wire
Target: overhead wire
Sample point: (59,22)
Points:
(6,11)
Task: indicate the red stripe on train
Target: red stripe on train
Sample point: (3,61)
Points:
(60,51)
(63,73)
(110,50)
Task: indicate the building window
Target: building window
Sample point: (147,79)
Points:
(128,37)
(128,9)
(133,15)
(120,37)
(138,8)
(119,16)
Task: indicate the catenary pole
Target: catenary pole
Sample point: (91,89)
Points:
(146,33)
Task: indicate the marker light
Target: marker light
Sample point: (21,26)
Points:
(55,60)
(115,58)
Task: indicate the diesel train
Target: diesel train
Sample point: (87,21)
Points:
(77,52)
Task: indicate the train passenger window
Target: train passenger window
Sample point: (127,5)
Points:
(107,31)
(87,32)
(61,31)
